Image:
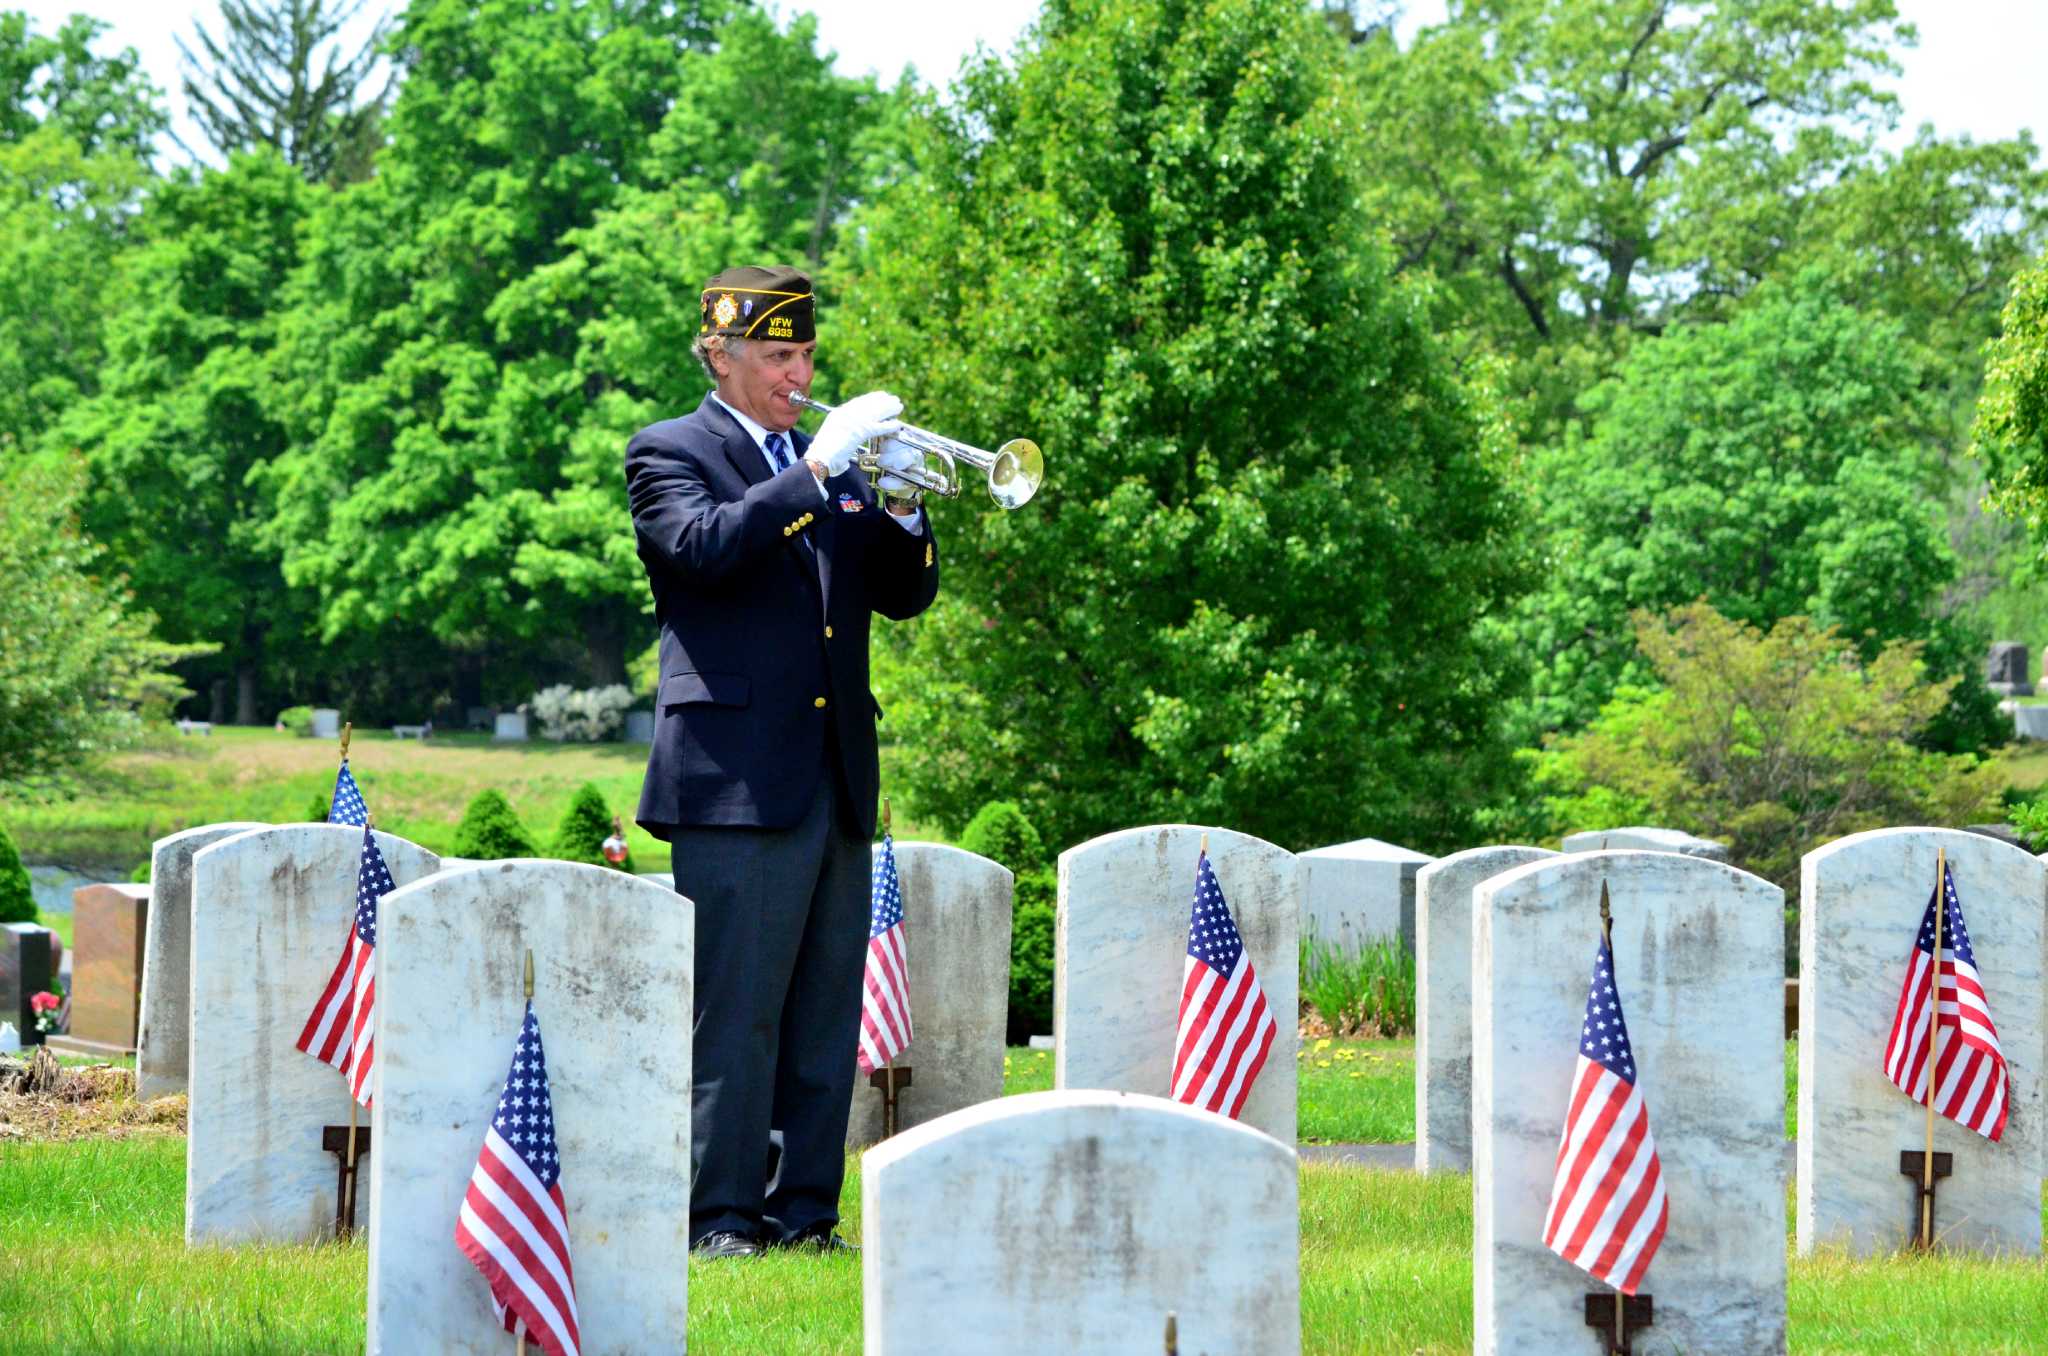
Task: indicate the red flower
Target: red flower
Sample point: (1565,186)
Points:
(45,1002)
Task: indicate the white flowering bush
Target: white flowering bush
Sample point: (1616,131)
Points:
(584,715)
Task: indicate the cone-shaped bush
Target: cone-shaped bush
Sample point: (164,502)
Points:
(316,809)
(490,829)
(1000,832)
(17,901)
(584,827)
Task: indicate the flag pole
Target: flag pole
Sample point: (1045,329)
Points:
(347,728)
(1607,936)
(1933,1050)
(349,1197)
(886,816)
(520,1347)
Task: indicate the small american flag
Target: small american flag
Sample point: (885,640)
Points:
(514,1223)
(1971,1088)
(885,999)
(347,805)
(342,1028)
(1607,1207)
(1226,1027)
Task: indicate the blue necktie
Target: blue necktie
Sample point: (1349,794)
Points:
(778,451)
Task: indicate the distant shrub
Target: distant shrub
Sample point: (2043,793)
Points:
(584,827)
(140,875)
(17,900)
(585,715)
(1031,955)
(316,809)
(1001,832)
(1367,993)
(298,720)
(489,829)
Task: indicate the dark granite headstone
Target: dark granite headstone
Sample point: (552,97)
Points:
(2005,669)
(24,972)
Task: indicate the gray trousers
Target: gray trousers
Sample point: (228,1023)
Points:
(782,932)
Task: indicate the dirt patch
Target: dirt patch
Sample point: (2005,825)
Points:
(49,1105)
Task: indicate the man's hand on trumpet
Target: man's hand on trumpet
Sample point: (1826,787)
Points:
(894,455)
(847,427)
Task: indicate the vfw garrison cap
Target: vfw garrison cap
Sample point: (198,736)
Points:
(759,303)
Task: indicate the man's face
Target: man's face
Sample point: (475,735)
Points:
(758,381)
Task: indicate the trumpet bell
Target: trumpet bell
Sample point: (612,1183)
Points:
(1016,473)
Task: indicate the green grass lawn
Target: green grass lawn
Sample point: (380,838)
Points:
(92,1261)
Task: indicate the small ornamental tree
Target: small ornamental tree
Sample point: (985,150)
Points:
(1000,832)
(584,827)
(1772,742)
(17,901)
(489,830)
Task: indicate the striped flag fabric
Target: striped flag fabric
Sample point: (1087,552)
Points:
(342,1027)
(514,1222)
(1971,1085)
(346,805)
(885,994)
(1226,1026)
(1607,1207)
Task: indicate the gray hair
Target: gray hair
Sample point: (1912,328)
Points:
(731,346)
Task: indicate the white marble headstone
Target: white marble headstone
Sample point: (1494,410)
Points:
(1073,1222)
(166,1017)
(1648,840)
(956,919)
(1120,949)
(1699,956)
(271,910)
(1358,893)
(1443,1000)
(1862,899)
(615,1025)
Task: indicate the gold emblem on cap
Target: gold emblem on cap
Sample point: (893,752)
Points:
(726,311)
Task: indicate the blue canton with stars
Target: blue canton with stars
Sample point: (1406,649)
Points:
(1604,1038)
(1955,936)
(887,895)
(1212,933)
(526,1114)
(373,882)
(347,806)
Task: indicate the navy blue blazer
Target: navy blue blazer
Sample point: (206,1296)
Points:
(762,642)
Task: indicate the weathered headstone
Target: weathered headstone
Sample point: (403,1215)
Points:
(1357,893)
(1120,950)
(639,727)
(956,920)
(271,909)
(509,726)
(166,1018)
(1862,900)
(1698,951)
(2030,722)
(665,879)
(1646,839)
(25,971)
(2005,671)
(1075,1222)
(615,1024)
(108,927)
(326,723)
(1443,1000)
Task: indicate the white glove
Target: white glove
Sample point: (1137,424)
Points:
(846,428)
(896,456)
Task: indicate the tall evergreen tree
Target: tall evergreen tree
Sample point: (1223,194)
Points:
(262,83)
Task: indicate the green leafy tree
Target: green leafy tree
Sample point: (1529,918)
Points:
(1252,592)
(78,662)
(1773,742)
(1001,832)
(57,82)
(2012,418)
(477,329)
(1776,466)
(489,830)
(262,83)
(17,898)
(188,409)
(585,824)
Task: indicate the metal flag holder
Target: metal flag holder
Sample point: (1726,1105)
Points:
(519,1344)
(1616,1316)
(348,1143)
(892,1077)
(1924,1163)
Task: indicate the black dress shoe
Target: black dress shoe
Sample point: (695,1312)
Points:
(819,1238)
(726,1243)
